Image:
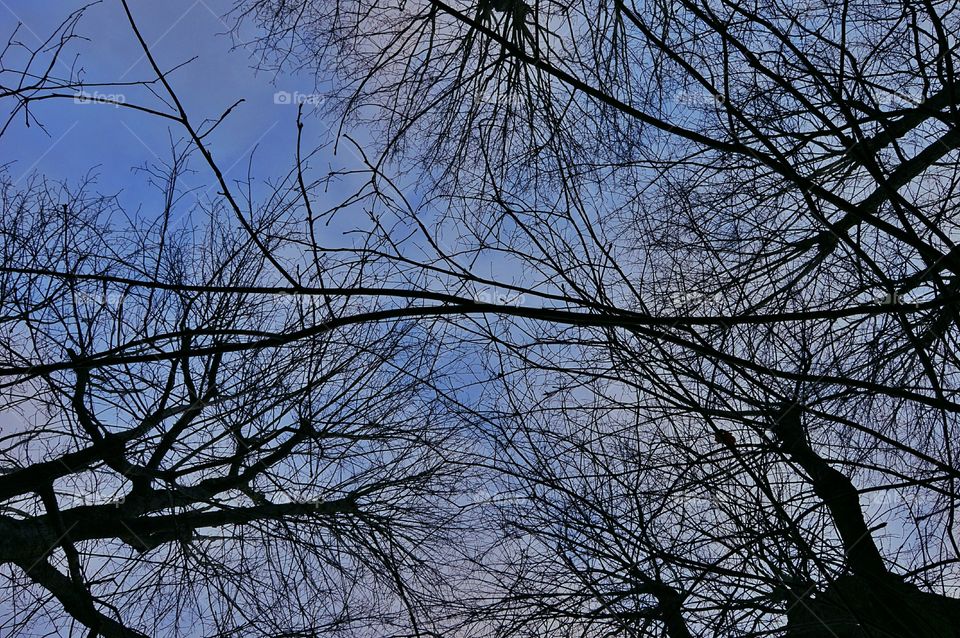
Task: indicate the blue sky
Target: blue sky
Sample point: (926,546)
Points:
(110,141)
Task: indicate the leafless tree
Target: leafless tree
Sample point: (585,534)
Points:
(195,440)
(754,430)
(675,282)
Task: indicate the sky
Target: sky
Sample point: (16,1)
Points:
(109,142)
(77,139)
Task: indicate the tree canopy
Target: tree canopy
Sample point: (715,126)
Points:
(644,324)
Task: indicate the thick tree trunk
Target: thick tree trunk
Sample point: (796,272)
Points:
(863,607)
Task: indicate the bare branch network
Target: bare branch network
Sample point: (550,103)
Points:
(614,320)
